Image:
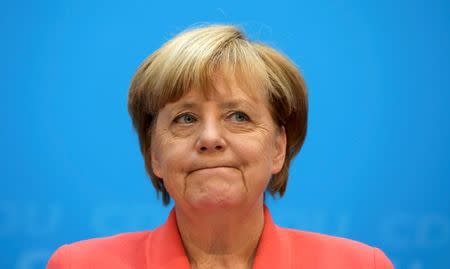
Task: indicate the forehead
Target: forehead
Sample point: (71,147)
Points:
(224,93)
(227,89)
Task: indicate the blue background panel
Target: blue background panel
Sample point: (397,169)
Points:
(374,167)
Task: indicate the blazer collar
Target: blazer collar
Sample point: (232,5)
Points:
(165,248)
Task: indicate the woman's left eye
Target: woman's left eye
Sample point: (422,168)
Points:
(239,116)
(185,118)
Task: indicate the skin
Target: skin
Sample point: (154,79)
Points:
(216,155)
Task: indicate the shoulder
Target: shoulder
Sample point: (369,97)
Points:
(327,251)
(126,250)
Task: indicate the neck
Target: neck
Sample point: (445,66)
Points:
(225,238)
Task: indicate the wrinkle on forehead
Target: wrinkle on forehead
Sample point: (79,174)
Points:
(226,82)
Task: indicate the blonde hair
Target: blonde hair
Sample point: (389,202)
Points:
(191,59)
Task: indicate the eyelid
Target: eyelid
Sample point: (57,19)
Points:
(234,112)
(183,114)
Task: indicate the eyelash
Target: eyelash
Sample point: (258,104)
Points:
(240,113)
(179,118)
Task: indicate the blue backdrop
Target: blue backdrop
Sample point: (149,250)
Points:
(374,168)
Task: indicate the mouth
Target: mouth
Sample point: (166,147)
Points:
(211,168)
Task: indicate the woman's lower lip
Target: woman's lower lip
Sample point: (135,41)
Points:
(206,169)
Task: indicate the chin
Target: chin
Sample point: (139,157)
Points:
(214,201)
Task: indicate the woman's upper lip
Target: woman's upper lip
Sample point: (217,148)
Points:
(211,167)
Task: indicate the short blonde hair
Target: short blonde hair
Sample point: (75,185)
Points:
(190,60)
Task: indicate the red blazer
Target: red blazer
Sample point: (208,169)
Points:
(163,248)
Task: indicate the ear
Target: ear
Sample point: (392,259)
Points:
(156,166)
(280,151)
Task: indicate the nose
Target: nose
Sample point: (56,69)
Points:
(210,138)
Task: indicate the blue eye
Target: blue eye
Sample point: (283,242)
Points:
(185,118)
(239,116)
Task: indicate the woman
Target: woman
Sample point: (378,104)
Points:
(219,119)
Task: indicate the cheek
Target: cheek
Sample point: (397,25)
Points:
(256,153)
(169,154)
(172,160)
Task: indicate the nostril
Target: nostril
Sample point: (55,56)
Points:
(203,148)
(218,147)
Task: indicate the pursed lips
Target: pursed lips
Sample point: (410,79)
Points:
(211,167)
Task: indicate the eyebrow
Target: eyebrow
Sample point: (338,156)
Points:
(235,104)
(225,105)
(187,105)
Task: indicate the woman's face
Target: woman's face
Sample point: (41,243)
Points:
(217,151)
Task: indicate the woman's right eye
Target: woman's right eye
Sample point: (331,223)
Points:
(185,119)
